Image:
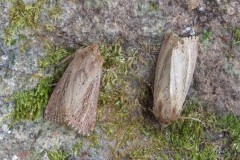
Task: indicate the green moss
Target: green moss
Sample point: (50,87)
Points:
(57,155)
(153,6)
(54,56)
(115,68)
(30,104)
(60,154)
(22,16)
(181,140)
(205,36)
(94,139)
(77,148)
(236,36)
(231,125)
(55,11)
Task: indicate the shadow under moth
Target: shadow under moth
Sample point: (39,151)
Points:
(174,72)
(75,97)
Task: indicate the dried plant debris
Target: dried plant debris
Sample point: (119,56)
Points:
(174,72)
(74,99)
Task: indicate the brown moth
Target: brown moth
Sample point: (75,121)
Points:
(75,97)
(174,72)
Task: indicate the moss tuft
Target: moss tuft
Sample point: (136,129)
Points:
(54,56)
(205,36)
(153,6)
(26,15)
(30,104)
(236,36)
(57,155)
(231,125)
(22,16)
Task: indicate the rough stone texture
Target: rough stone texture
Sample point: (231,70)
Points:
(16,68)
(216,78)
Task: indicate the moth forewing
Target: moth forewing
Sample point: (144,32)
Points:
(76,94)
(174,72)
(54,110)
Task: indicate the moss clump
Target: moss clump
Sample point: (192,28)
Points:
(153,6)
(188,138)
(30,104)
(55,11)
(77,148)
(22,16)
(231,125)
(114,99)
(205,36)
(57,155)
(236,36)
(115,68)
(180,140)
(26,15)
(54,56)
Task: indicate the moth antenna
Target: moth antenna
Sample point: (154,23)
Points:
(194,119)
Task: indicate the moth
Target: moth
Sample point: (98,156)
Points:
(75,96)
(174,72)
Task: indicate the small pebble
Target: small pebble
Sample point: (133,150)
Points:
(187,30)
(4,57)
(15,157)
(1,136)
(10,107)
(202,9)
(192,33)
(5,128)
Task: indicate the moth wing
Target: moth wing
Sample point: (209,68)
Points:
(183,64)
(163,107)
(81,110)
(55,110)
(191,50)
(163,56)
(175,67)
(179,69)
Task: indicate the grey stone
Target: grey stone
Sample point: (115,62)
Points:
(1,136)
(15,157)
(5,128)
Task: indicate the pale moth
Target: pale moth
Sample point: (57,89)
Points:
(174,72)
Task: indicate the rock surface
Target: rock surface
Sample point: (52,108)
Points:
(216,79)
